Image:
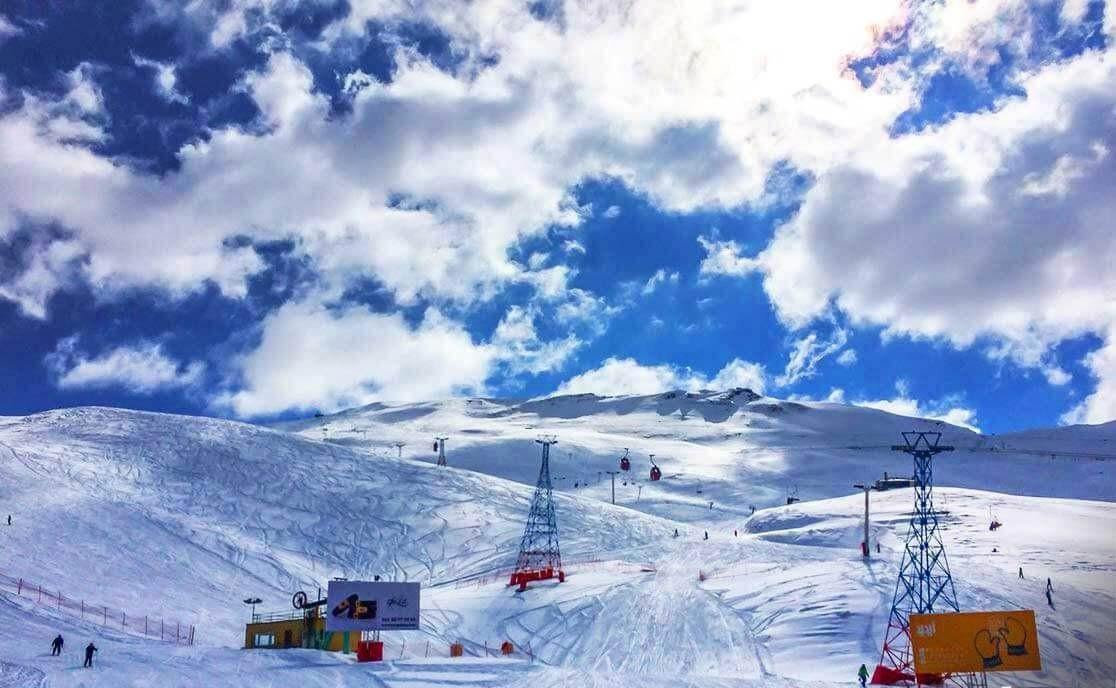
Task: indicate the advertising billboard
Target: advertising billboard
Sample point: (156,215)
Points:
(372,606)
(975,641)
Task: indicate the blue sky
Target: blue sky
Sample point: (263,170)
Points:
(260,209)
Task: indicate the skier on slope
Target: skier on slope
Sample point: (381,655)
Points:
(89,650)
(862,674)
(1021,572)
(675,532)
(707,535)
(56,645)
(1049,586)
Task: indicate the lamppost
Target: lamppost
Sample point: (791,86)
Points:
(613,474)
(867,547)
(253,601)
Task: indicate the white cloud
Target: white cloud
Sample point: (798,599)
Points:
(974,229)
(660,277)
(807,353)
(48,263)
(7,28)
(611,212)
(1100,405)
(166,79)
(847,357)
(84,94)
(573,246)
(723,258)
(618,376)
(519,345)
(311,357)
(142,368)
(947,410)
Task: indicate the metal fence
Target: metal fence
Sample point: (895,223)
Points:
(164,629)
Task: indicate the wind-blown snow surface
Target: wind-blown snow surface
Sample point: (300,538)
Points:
(186,516)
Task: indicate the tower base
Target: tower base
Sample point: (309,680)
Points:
(522,578)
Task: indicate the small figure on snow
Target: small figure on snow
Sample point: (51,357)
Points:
(56,645)
(9,519)
(734,533)
(877,546)
(1049,586)
(675,532)
(1020,572)
(862,674)
(1049,599)
(89,650)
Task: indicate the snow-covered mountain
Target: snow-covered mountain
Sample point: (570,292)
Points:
(187,516)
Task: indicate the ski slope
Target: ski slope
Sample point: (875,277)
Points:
(184,517)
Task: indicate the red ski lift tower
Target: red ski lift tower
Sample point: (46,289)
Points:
(539,557)
(625,463)
(655,472)
(440,447)
(925,585)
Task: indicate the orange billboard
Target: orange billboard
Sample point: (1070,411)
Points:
(975,641)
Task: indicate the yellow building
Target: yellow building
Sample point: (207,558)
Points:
(294,629)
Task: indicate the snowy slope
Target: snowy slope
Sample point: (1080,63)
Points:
(186,516)
(738,449)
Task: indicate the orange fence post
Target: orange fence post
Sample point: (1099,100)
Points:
(456,650)
(507,648)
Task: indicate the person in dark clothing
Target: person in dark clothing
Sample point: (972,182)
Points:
(1020,571)
(707,535)
(56,645)
(862,674)
(877,546)
(1049,599)
(9,519)
(1049,586)
(89,650)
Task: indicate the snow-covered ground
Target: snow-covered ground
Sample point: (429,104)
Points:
(185,517)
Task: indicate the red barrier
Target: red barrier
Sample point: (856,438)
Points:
(184,633)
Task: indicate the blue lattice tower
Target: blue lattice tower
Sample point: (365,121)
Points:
(539,555)
(925,585)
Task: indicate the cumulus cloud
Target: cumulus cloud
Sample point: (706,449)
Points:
(1100,406)
(996,225)
(723,258)
(948,410)
(520,347)
(142,368)
(617,376)
(611,212)
(313,357)
(847,357)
